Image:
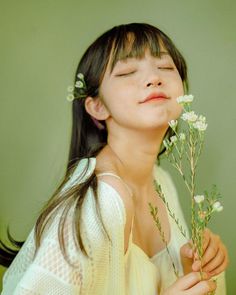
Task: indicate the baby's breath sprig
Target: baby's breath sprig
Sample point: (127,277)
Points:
(171,213)
(79,90)
(186,146)
(154,213)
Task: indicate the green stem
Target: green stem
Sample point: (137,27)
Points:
(192,167)
(154,213)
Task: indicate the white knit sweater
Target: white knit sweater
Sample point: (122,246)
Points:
(104,272)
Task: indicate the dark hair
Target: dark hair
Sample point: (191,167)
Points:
(86,138)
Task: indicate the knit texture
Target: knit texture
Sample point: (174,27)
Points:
(107,270)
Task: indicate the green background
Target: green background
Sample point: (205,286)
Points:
(41,43)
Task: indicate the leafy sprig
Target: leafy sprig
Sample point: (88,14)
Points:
(186,146)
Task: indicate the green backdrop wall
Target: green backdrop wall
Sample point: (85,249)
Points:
(41,42)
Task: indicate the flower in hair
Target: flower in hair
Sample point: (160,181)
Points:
(79,90)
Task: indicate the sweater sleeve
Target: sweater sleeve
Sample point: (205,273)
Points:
(48,272)
(101,272)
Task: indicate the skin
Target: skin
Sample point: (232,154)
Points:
(133,124)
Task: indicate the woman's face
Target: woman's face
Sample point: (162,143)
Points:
(132,81)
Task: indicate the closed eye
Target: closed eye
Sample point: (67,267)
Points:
(166,68)
(125,74)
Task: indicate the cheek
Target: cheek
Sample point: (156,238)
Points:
(176,84)
(177,109)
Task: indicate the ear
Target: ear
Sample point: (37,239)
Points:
(96,108)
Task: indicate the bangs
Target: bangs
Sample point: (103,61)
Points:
(132,40)
(134,44)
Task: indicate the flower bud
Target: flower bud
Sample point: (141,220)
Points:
(217,207)
(199,199)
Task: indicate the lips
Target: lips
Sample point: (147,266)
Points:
(155,95)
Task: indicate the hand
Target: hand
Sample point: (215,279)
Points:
(191,284)
(215,256)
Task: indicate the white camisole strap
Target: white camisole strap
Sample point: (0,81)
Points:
(131,194)
(115,175)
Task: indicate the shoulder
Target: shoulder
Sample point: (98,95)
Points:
(122,196)
(115,186)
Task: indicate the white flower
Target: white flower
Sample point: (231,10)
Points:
(80,76)
(202,118)
(173,139)
(185,99)
(189,116)
(70,88)
(182,136)
(200,125)
(70,97)
(199,199)
(167,144)
(173,123)
(79,84)
(217,206)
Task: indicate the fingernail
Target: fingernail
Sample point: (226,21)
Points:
(190,253)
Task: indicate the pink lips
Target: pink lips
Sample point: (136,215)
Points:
(156,96)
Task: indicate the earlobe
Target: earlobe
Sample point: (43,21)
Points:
(96,108)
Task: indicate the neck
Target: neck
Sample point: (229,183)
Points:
(133,156)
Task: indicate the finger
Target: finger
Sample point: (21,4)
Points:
(202,288)
(186,254)
(215,262)
(186,250)
(220,269)
(190,280)
(206,239)
(207,234)
(211,250)
(196,266)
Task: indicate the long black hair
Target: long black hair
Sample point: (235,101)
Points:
(86,138)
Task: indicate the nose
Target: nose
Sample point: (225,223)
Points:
(154,83)
(154,80)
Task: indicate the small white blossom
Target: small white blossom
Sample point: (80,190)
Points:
(173,123)
(173,139)
(200,125)
(189,116)
(199,199)
(202,118)
(217,206)
(70,88)
(167,144)
(185,99)
(70,97)
(182,136)
(79,84)
(80,76)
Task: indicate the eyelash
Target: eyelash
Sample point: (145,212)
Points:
(161,68)
(166,68)
(125,74)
